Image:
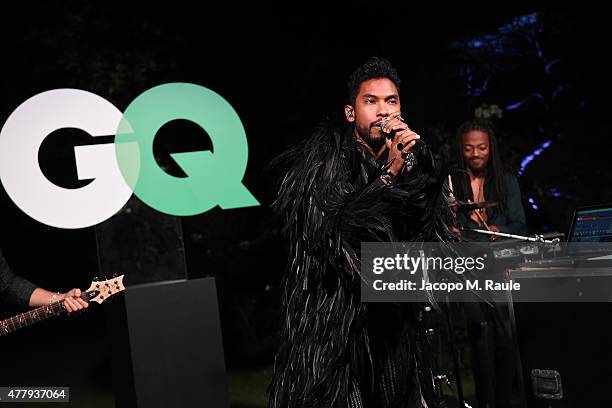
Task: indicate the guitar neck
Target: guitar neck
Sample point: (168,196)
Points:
(35,315)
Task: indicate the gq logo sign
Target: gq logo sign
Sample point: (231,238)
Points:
(128,165)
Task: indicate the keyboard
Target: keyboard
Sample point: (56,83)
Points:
(570,262)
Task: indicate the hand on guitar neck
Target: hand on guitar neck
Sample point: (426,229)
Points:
(48,304)
(72,299)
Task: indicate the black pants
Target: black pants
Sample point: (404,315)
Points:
(493,352)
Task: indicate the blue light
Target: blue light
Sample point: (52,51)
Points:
(516,105)
(521,103)
(533,204)
(529,158)
(522,22)
(560,89)
(548,67)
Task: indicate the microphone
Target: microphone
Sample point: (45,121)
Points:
(418,145)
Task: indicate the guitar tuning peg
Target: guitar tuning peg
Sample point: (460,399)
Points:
(96,278)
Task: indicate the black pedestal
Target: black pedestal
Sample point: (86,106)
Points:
(167,346)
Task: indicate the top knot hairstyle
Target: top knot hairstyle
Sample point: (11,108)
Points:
(373,68)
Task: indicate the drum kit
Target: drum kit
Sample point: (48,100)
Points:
(468,206)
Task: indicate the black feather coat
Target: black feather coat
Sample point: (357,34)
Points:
(332,346)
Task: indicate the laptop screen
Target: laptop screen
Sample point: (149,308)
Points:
(592,224)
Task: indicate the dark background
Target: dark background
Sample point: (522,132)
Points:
(284,71)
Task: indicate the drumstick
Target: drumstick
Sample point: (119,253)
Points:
(452,200)
(482,219)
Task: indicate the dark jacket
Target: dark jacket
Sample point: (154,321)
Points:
(14,289)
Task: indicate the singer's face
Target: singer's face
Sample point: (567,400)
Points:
(377,99)
(476,150)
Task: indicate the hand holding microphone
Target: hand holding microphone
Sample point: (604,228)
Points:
(400,139)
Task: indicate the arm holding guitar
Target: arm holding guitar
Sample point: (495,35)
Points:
(72,299)
(49,304)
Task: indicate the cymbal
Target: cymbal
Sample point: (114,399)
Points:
(465,206)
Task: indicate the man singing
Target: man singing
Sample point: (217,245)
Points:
(365,179)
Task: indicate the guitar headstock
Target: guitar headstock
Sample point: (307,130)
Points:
(99,291)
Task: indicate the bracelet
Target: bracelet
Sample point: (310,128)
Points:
(53,297)
(410,159)
(387,178)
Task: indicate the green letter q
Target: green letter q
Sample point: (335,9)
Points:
(212,178)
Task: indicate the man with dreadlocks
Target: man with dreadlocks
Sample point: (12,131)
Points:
(484,179)
(481,178)
(357,180)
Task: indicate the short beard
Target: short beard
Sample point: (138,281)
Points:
(478,172)
(374,143)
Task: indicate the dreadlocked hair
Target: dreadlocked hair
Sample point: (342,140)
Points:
(494,173)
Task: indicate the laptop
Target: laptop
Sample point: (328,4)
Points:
(591,224)
(589,240)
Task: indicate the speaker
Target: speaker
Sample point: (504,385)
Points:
(563,347)
(167,346)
